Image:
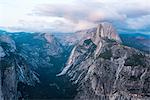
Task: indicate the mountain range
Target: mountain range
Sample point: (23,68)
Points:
(96,63)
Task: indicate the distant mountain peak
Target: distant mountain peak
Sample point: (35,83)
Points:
(50,38)
(106,30)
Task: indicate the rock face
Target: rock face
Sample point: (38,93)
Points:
(102,30)
(104,69)
(106,30)
(13,69)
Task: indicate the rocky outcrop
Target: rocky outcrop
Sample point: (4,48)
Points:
(13,69)
(104,69)
(106,30)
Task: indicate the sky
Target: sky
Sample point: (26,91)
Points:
(73,15)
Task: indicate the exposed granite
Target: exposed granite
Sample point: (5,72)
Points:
(104,69)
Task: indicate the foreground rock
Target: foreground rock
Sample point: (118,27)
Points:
(104,69)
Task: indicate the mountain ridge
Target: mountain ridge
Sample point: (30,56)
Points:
(93,65)
(104,69)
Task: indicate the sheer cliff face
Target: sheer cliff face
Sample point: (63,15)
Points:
(13,69)
(104,69)
(102,30)
(106,30)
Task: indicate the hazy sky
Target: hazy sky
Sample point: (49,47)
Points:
(72,15)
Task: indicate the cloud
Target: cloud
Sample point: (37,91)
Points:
(139,23)
(131,13)
(73,15)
